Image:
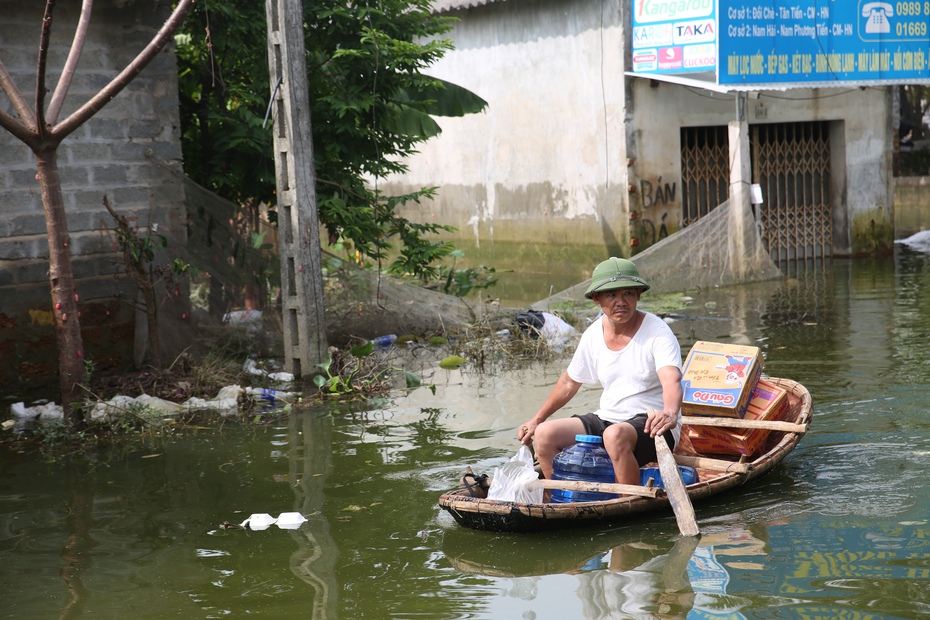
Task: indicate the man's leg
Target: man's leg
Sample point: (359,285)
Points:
(553,435)
(620,442)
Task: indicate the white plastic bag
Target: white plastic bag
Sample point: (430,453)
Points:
(556,332)
(510,480)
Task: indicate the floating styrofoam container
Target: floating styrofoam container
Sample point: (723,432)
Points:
(290,520)
(285,521)
(259,521)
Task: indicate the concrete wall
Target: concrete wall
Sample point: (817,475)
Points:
(540,177)
(121,153)
(546,179)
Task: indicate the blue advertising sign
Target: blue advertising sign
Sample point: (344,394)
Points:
(804,41)
(674,36)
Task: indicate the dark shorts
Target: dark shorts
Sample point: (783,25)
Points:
(645,451)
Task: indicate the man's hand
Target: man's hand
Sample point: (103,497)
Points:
(659,421)
(526,431)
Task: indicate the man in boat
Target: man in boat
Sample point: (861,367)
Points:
(637,360)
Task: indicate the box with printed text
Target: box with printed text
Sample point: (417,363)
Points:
(717,379)
(767,402)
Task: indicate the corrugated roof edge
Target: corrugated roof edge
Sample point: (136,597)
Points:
(444,6)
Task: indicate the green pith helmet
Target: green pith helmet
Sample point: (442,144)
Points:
(615,273)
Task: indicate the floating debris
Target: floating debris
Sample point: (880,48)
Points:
(262,521)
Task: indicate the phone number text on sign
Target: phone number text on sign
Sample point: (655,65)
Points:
(887,22)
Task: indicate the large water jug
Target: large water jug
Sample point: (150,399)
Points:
(587,461)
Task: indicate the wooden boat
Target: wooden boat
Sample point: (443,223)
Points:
(716,474)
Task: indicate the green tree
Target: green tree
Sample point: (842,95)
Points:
(370,107)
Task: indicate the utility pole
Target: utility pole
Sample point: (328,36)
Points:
(741,222)
(298,222)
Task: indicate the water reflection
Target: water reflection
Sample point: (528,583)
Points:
(76,553)
(637,578)
(641,580)
(709,577)
(309,466)
(729,573)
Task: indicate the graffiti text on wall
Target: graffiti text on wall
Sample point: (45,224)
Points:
(658,193)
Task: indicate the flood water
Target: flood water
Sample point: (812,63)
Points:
(841,529)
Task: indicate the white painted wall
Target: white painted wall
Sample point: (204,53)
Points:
(550,147)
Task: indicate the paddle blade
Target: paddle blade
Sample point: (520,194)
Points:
(675,487)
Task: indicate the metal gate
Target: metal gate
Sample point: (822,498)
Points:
(791,161)
(705,171)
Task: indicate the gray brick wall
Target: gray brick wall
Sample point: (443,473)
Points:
(125,152)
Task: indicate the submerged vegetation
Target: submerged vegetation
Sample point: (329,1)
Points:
(361,371)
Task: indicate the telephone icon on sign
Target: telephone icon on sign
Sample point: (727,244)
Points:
(877,14)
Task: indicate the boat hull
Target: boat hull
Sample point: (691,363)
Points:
(716,475)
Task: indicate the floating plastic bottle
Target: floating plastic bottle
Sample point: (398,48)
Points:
(585,461)
(271,395)
(384,342)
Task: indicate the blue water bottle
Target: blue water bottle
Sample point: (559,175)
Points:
(383,342)
(585,461)
(689,475)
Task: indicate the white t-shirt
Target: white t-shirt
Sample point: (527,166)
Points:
(629,377)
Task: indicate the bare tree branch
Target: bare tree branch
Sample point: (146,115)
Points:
(126,75)
(67,74)
(19,102)
(17,129)
(41,68)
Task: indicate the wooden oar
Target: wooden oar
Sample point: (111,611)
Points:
(771,425)
(595,487)
(700,462)
(675,487)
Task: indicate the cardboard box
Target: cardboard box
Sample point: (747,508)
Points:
(767,402)
(717,379)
